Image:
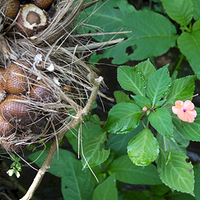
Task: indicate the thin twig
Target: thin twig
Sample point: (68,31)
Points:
(101,34)
(61,134)
(95,45)
(7,197)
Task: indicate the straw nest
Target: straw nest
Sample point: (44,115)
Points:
(44,81)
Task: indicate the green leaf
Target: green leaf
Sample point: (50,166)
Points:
(142,101)
(146,68)
(189,130)
(181,140)
(39,156)
(110,19)
(167,144)
(196,5)
(180,11)
(143,148)
(197,181)
(92,152)
(160,190)
(121,97)
(131,80)
(196,26)
(124,7)
(118,143)
(106,190)
(151,35)
(176,173)
(161,120)
(136,195)
(110,13)
(158,84)
(181,196)
(125,171)
(76,183)
(122,118)
(188,44)
(182,88)
(87,129)
(160,103)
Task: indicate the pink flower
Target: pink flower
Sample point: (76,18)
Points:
(144,109)
(185,111)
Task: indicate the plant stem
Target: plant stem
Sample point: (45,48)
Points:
(178,65)
(77,119)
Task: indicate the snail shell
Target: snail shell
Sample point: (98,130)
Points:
(31,20)
(43,3)
(2,91)
(5,127)
(11,8)
(15,80)
(14,110)
(1,74)
(1,79)
(41,93)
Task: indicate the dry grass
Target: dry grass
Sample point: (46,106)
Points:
(69,82)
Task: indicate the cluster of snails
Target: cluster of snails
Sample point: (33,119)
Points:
(31,18)
(17,89)
(38,97)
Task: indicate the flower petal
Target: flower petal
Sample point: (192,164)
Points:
(188,105)
(176,110)
(185,110)
(188,116)
(179,104)
(191,115)
(182,116)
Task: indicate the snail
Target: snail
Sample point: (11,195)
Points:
(13,109)
(15,80)
(5,127)
(31,20)
(11,8)
(43,3)
(41,93)
(1,73)
(2,93)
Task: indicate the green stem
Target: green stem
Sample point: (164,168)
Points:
(178,64)
(147,126)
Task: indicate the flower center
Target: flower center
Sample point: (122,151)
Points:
(184,110)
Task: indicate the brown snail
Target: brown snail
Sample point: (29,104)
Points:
(31,20)
(2,93)
(1,74)
(43,3)
(15,80)
(41,93)
(5,127)
(11,8)
(14,110)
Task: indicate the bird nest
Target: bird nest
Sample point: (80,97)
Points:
(44,80)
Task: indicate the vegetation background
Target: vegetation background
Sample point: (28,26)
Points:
(133,154)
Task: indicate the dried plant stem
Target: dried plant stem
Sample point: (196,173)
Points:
(78,118)
(94,45)
(5,195)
